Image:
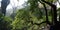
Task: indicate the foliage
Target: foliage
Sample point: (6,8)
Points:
(23,17)
(27,18)
(5,23)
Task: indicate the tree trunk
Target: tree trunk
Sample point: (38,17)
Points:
(4,4)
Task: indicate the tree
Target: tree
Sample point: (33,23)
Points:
(53,6)
(31,17)
(3,23)
(4,4)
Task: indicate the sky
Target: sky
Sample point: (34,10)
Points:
(14,3)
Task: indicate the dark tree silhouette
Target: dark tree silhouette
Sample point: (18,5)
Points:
(4,4)
(56,25)
(3,24)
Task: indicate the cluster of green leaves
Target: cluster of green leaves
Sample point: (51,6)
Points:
(23,17)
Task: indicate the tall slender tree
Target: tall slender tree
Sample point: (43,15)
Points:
(4,4)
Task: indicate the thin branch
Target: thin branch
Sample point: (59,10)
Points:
(46,13)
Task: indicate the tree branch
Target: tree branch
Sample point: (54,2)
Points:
(54,10)
(46,13)
(36,23)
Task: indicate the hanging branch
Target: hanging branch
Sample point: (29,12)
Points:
(46,13)
(54,10)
